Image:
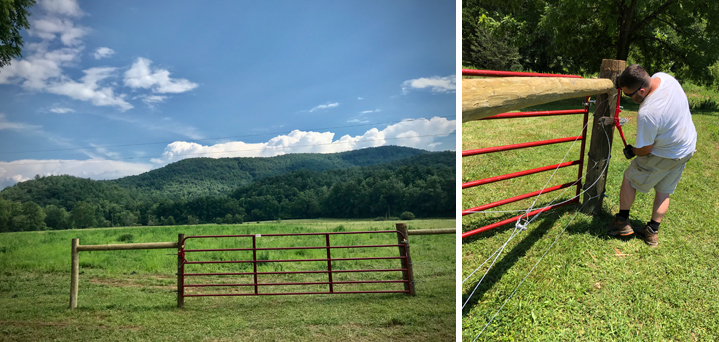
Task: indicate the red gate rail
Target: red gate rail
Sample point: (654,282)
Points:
(579,162)
(518,174)
(403,257)
(493,73)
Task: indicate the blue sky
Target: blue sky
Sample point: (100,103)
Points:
(107,89)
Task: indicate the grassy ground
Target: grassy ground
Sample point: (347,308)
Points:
(591,287)
(129,295)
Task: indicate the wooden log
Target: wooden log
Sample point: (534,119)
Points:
(599,146)
(125,246)
(432,231)
(485,97)
(403,239)
(74,272)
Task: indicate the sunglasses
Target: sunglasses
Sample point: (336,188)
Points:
(640,88)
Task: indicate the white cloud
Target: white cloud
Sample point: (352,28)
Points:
(62,110)
(370,111)
(360,98)
(16,126)
(89,90)
(141,76)
(48,28)
(43,69)
(33,72)
(21,170)
(325,106)
(417,133)
(153,98)
(436,84)
(61,7)
(356,120)
(103,150)
(103,52)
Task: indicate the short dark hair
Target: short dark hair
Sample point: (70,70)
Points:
(633,76)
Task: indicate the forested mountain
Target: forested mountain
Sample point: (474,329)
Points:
(356,184)
(191,178)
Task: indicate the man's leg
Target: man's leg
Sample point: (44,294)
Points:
(627,194)
(661,205)
(620,224)
(650,233)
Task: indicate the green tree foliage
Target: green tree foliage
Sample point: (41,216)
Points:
(83,215)
(13,18)
(422,183)
(198,177)
(407,215)
(57,218)
(573,36)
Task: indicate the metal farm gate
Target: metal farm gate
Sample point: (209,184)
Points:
(249,242)
(579,162)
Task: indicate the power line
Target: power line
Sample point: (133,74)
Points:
(234,151)
(221,138)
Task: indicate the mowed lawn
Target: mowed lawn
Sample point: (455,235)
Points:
(130,295)
(589,287)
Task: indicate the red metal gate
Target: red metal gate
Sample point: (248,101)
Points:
(256,284)
(579,162)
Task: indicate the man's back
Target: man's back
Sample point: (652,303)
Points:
(664,120)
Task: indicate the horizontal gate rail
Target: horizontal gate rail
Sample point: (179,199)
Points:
(518,174)
(534,114)
(518,146)
(285,260)
(493,73)
(514,219)
(295,272)
(282,248)
(403,257)
(517,198)
(278,293)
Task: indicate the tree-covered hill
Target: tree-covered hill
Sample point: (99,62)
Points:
(192,178)
(359,184)
(65,191)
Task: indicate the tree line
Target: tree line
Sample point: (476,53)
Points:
(573,36)
(422,185)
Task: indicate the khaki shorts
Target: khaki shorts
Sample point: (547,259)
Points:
(650,171)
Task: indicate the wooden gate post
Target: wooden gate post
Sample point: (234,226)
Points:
(74,273)
(599,148)
(180,271)
(403,239)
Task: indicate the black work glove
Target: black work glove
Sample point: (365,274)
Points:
(629,152)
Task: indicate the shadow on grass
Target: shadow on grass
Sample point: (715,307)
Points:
(597,227)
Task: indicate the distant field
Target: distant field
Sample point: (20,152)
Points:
(590,287)
(129,295)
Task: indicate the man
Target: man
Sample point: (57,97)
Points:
(666,140)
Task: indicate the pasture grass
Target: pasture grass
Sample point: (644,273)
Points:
(590,287)
(130,295)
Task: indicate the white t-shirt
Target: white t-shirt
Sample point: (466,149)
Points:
(665,121)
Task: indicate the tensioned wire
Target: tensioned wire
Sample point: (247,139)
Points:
(522,226)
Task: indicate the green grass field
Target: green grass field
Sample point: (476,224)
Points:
(590,287)
(129,295)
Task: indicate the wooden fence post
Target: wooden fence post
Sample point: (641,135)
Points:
(180,271)
(599,147)
(74,273)
(403,239)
